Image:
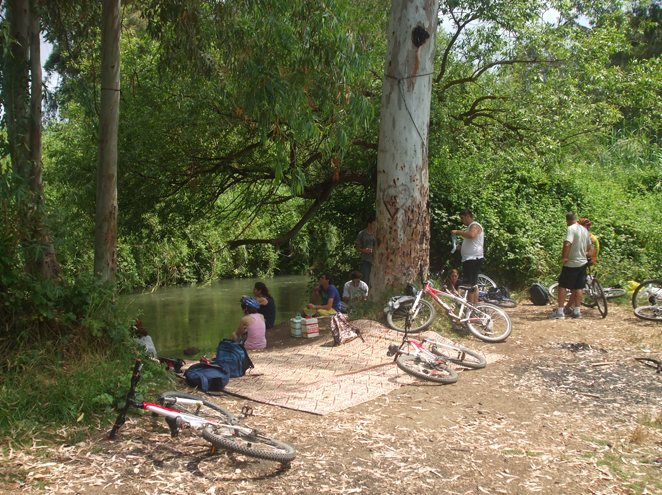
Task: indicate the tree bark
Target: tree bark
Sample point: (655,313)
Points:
(402,207)
(22,92)
(105,235)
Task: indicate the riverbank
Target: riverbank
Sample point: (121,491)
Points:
(566,410)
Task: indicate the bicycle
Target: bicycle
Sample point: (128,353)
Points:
(487,322)
(594,294)
(427,358)
(647,300)
(215,424)
(498,296)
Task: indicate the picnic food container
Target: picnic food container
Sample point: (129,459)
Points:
(310,328)
(295,326)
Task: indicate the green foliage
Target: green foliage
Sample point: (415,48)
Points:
(45,393)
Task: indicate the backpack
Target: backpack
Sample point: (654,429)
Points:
(232,356)
(207,377)
(342,330)
(539,294)
(498,293)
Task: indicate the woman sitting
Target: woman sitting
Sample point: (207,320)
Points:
(251,329)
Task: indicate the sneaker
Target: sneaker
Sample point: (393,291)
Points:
(568,311)
(576,313)
(557,314)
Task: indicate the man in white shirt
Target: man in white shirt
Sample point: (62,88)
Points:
(574,255)
(471,251)
(355,289)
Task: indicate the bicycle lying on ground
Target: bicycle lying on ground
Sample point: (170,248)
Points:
(647,300)
(487,322)
(428,358)
(214,423)
(594,295)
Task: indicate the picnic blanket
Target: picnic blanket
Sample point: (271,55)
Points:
(321,378)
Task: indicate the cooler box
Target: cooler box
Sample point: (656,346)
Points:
(310,328)
(295,327)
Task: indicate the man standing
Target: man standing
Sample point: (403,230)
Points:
(471,251)
(576,249)
(365,243)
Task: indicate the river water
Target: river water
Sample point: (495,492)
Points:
(182,317)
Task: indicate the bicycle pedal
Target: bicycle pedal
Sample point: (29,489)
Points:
(247,411)
(392,350)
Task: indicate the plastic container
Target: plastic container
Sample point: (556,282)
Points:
(310,328)
(295,326)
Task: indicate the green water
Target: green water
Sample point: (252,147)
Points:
(181,317)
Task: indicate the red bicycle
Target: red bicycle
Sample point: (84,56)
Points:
(486,321)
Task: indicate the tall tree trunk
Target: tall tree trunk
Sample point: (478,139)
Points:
(403,217)
(105,238)
(22,91)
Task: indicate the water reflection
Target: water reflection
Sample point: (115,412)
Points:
(182,317)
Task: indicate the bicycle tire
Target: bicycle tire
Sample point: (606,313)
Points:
(219,412)
(645,293)
(457,354)
(253,444)
(437,372)
(554,293)
(613,292)
(651,363)
(485,283)
(494,325)
(598,296)
(652,313)
(396,318)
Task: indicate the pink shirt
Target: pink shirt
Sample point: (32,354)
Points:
(256,330)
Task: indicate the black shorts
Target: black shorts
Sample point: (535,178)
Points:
(573,277)
(470,271)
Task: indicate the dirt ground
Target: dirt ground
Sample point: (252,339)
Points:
(566,410)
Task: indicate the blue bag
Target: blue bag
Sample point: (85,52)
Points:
(233,358)
(207,377)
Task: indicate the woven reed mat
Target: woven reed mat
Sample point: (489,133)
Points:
(321,378)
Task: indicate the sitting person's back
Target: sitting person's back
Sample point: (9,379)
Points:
(252,328)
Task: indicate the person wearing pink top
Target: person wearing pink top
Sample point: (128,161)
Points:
(252,328)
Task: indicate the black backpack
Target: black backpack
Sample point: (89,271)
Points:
(539,294)
(207,377)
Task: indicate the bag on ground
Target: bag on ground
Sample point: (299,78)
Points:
(342,330)
(539,294)
(498,293)
(207,377)
(233,358)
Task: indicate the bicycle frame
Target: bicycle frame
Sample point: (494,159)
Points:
(460,301)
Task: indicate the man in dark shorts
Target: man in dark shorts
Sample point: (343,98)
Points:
(473,238)
(574,255)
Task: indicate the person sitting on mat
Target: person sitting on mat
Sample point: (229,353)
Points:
(330,302)
(252,328)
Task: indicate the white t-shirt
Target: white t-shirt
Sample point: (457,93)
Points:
(148,343)
(472,249)
(579,240)
(355,292)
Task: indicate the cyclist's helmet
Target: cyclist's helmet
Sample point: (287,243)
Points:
(249,302)
(585,222)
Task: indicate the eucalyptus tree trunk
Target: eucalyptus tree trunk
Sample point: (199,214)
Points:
(105,234)
(22,97)
(403,218)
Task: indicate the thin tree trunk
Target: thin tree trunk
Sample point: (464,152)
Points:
(22,92)
(403,218)
(105,239)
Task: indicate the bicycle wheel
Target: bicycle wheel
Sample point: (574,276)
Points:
(598,298)
(458,355)
(395,319)
(210,410)
(653,313)
(248,442)
(649,293)
(489,323)
(554,292)
(434,372)
(485,283)
(613,292)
